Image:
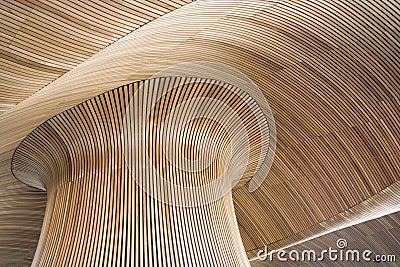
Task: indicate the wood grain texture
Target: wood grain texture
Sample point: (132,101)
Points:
(98,214)
(22,211)
(42,40)
(330,72)
(380,236)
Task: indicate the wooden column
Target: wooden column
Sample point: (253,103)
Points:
(98,214)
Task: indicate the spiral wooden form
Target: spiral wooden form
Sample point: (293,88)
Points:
(328,69)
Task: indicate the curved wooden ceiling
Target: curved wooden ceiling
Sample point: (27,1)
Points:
(42,40)
(329,70)
(380,236)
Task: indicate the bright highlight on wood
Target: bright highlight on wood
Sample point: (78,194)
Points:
(328,69)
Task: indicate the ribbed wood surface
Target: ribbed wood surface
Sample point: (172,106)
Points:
(380,236)
(329,70)
(42,40)
(385,202)
(97,214)
(22,210)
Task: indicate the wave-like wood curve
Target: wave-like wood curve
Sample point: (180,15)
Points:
(98,214)
(330,72)
(42,40)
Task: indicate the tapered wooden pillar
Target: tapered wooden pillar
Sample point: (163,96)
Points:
(100,211)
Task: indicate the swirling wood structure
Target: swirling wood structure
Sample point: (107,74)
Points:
(98,215)
(330,72)
(42,40)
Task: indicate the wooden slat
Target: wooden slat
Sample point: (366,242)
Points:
(55,36)
(329,70)
(79,158)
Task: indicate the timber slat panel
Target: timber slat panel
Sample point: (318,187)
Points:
(55,36)
(329,70)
